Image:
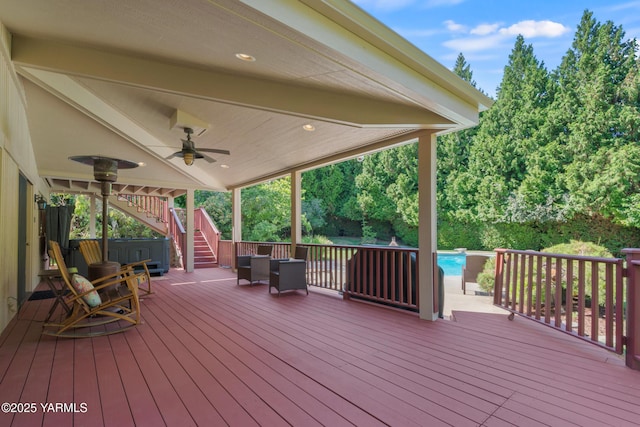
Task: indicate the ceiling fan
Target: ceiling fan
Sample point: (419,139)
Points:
(189,153)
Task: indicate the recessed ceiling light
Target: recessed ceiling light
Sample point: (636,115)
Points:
(142,164)
(245,57)
(309,127)
(224,166)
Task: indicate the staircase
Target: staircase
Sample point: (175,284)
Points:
(203,256)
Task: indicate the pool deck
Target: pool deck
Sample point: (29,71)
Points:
(455,301)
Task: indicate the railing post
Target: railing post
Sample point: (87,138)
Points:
(633,308)
(497,287)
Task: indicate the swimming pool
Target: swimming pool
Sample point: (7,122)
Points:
(452,263)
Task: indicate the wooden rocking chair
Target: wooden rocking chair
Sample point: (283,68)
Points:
(92,314)
(92,254)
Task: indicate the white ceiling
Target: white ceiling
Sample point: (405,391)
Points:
(105,77)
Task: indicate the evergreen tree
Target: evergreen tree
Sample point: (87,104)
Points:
(453,157)
(596,119)
(507,141)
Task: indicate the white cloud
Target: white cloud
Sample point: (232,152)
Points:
(485,29)
(475,44)
(530,29)
(491,36)
(455,27)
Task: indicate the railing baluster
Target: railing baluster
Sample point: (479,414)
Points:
(595,306)
(551,282)
(557,304)
(608,305)
(581,296)
(547,291)
(538,286)
(569,297)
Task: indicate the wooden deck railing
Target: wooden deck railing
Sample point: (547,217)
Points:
(178,233)
(386,275)
(152,206)
(632,350)
(202,221)
(580,295)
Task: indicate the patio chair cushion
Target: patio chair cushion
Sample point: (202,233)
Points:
(81,284)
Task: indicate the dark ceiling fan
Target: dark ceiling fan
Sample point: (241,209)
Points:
(189,153)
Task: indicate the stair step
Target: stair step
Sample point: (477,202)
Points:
(204,265)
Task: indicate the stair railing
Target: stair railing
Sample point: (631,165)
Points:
(210,232)
(178,234)
(152,206)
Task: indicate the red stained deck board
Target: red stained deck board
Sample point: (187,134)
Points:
(197,383)
(507,417)
(280,374)
(366,358)
(169,402)
(263,378)
(250,333)
(497,422)
(113,400)
(142,405)
(199,408)
(331,360)
(85,384)
(33,391)
(61,381)
(18,369)
(370,355)
(382,405)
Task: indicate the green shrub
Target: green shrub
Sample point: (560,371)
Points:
(584,249)
(486,278)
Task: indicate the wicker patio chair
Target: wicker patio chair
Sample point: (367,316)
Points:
(254,268)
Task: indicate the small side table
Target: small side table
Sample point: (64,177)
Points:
(51,277)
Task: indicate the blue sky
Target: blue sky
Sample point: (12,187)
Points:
(485,30)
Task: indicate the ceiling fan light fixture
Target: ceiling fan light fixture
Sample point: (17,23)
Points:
(188,158)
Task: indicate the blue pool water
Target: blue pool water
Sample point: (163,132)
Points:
(452,263)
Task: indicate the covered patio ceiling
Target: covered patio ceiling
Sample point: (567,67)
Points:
(106,78)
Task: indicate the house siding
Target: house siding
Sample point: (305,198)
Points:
(16,157)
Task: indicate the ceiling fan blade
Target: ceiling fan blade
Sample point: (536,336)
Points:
(214,150)
(207,158)
(176,154)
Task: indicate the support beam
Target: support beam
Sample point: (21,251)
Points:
(220,86)
(296,210)
(427,241)
(188,257)
(236,220)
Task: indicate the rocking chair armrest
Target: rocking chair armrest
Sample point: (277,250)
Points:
(111,276)
(124,278)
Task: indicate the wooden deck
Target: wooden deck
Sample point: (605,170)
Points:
(213,353)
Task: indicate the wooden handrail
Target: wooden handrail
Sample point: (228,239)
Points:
(564,291)
(383,274)
(178,234)
(209,231)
